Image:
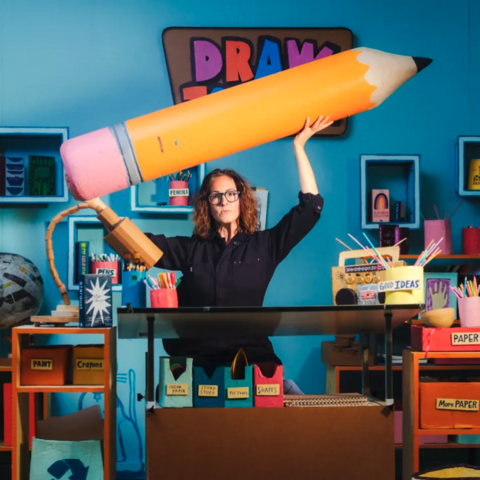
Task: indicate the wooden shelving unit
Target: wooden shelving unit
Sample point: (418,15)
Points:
(21,337)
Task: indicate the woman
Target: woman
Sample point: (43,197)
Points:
(227,262)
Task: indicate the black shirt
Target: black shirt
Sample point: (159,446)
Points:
(237,274)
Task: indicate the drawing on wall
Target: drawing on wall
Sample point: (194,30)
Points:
(437,290)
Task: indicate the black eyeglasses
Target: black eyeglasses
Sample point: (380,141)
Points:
(216,197)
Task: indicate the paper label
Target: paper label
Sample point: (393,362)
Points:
(178,192)
(208,390)
(177,390)
(457,404)
(393,285)
(106,271)
(234,393)
(465,339)
(41,364)
(268,390)
(89,364)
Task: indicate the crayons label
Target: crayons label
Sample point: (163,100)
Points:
(393,285)
(89,364)
(41,364)
(208,390)
(177,390)
(457,404)
(465,339)
(236,393)
(178,192)
(268,390)
(106,271)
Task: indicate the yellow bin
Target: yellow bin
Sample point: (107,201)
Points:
(402,279)
(88,365)
(474,175)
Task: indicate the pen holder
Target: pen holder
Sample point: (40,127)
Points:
(403,285)
(469,312)
(178,193)
(471,241)
(107,268)
(134,290)
(437,229)
(164,298)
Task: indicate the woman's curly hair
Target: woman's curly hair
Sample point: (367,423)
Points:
(248,220)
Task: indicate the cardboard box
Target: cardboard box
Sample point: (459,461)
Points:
(176,392)
(239,392)
(445,339)
(209,388)
(449,405)
(338,356)
(88,365)
(45,365)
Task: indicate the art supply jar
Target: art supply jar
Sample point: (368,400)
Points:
(114,269)
(403,285)
(471,241)
(437,229)
(178,193)
(469,312)
(164,298)
(134,290)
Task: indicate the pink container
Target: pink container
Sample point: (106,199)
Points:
(164,298)
(113,269)
(469,312)
(178,193)
(437,229)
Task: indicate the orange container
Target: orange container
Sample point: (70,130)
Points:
(449,405)
(88,365)
(49,365)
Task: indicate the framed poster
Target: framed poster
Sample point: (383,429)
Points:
(262,204)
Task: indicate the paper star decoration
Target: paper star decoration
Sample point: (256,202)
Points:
(98,300)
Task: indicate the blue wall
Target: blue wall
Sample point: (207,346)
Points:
(88,64)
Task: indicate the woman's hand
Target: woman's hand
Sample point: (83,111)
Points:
(321,124)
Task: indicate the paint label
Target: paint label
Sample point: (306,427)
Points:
(235,393)
(178,192)
(457,404)
(89,364)
(268,390)
(41,364)
(177,390)
(208,390)
(465,339)
(394,285)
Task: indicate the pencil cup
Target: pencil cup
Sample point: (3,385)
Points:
(435,230)
(469,312)
(108,268)
(471,241)
(178,193)
(164,298)
(134,290)
(403,285)
(474,175)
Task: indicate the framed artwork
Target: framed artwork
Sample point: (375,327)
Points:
(262,204)
(437,290)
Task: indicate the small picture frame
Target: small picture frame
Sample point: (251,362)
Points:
(262,205)
(437,290)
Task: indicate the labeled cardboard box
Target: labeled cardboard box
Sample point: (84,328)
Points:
(176,382)
(445,339)
(209,388)
(88,365)
(268,385)
(45,365)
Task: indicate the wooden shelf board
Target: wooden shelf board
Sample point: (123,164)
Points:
(375,368)
(5,369)
(3,448)
(443,445)
(448,431)
(32,330)
(60,388)
(418,355)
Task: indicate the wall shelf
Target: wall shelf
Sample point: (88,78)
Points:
(400,174)
(19,143)
(467,148)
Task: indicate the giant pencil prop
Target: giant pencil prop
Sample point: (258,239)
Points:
(234,119)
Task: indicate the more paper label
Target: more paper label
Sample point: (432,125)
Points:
(457,404)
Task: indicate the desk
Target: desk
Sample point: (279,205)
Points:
(263,321)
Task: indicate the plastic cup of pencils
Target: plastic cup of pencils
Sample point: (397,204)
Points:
(407,276)
(134,290)
(164,298)
(469,312)
(178,193)
(114,269)
(435,230)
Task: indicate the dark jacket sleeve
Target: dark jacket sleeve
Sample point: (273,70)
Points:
(294,226)
(176,251)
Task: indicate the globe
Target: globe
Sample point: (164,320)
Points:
(21,289)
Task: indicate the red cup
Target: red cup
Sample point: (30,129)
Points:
(471,241)
(164,298)
(107,268)
(178,193)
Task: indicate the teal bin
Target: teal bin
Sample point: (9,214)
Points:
(209,388)
(239,392)
(176,382)
(466,439)
(134,290)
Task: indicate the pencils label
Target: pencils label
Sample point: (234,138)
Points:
(235,393)
(106,271)
(178,192)
(89,364)
(208,390)
(393,285)
(268,390)
(465,339)
(41,364)
(177,390)
(457,404)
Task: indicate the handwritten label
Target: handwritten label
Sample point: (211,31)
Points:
(465,339)
(178,192)
(393,285)
(177,390)
(41,364)
(208,390)
(235,393)
(268,390)
(106,271)
(457,404)
(89,364)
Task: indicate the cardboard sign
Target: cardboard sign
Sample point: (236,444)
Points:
(465,339)
(457,404)
(178,192)
(89,364)
(394,285)
(41,364)
(234,393)
(208,390)
(268,390)
(177,390)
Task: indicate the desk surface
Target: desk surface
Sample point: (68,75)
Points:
(262,321)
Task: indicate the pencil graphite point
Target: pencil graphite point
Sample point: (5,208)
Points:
(421,62)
